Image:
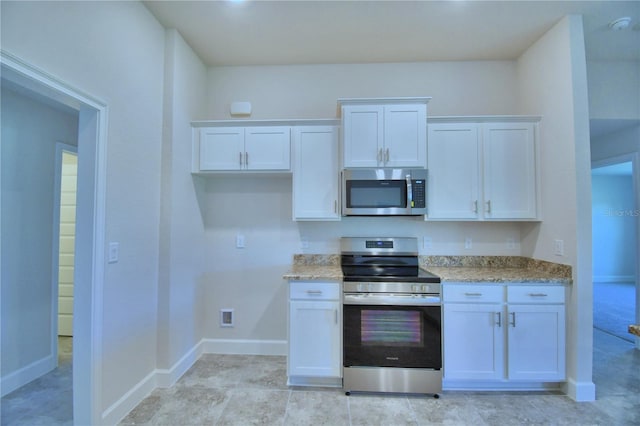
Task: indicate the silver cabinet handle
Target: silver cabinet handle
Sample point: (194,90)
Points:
(473,294)
(538,294)
(380,157)
(246,158)
(335,206)
(314,292)
(489,206)
(499,323)
(240,159)
(336,315)
(475,206)
(513,319)
(386,159)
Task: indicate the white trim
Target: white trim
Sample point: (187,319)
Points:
(92,145)
(483,385)
(245,347)
(28,373)
(614,278)
(127,402)
(165,378)
(580,391)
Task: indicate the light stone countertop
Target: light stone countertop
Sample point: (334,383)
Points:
(481,269)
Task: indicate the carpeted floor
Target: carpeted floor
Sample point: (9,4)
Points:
(614,307)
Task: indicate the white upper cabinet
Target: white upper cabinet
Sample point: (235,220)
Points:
(384,134)
(316,173)
(454,180)
(244,148)
(509,170)
(482,170)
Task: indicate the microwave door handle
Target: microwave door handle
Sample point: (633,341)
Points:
(409,192)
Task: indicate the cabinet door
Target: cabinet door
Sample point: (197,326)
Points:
(316,173)
(363,132)
(509,171)
(221,148)
(536,341)
(454,179)
(267,148)
(473,341)
(314,338)
(405,135)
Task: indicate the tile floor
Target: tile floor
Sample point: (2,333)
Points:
(246,390)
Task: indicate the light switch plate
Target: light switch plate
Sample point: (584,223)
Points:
(114,252)
(239,241)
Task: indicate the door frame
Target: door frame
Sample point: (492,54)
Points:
(634,159)
(90,226)
(61,148)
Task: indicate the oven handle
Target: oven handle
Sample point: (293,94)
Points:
(390,299)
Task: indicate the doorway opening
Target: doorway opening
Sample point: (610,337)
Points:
(89,248)
(615,247)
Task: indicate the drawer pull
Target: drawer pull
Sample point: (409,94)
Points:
(538,294)
(513,319)
(314,292)
(499,323)
(473,294)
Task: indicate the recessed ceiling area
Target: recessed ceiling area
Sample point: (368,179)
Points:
(232,33)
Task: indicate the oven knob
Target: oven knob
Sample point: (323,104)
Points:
(415,288)
(360,287)
(425,288)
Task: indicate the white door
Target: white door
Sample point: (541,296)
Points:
(66,253)
(221,148)
(316,176)
(363,127)
(454,178)
(314,338)
(405,135)
(536,342)
(473,341)
(509,171)
(267,148)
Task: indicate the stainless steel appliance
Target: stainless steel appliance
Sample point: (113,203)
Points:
(392,334)
(384,192)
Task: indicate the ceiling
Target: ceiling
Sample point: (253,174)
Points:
(233,33)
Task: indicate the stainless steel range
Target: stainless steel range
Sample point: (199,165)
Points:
(392,338)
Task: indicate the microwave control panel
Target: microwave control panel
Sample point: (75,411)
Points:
(419,193)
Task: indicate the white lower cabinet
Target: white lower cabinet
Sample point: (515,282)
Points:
(315,332)
(503,335)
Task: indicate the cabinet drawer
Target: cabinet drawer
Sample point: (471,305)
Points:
(473,293)
(535,294)
(314,290)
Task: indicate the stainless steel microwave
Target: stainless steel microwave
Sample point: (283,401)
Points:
(384,192)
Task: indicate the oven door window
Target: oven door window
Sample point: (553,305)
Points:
(392,336)
(376,194)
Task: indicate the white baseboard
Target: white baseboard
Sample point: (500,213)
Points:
(21,377)
(483,385)
(614,278)
(245,347)
(164,378)
(119,409)
(580,391)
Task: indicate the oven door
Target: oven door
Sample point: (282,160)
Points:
(392,336)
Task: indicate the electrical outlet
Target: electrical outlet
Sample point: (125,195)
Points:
(239,241)
(558,247)
(427,242)
(468,243)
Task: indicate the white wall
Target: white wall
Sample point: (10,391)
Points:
(311,91)
(552,83)
(623,142)
(30,130)
(181,306)
(113,51)
(614,228)
(614,89)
